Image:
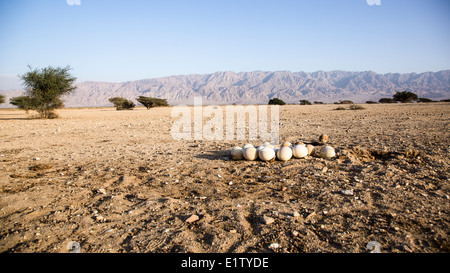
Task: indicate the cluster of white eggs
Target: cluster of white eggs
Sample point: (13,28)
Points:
(268,152)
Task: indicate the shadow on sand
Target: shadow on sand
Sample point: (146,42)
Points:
(215,155)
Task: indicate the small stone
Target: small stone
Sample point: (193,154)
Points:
(274,246)
(192,219)
(102,191)
(347,192)
(323,138)
(373,247)
(296,214)
(268,220)
(310,217)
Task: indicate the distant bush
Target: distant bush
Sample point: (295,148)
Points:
(122,103)
(345,102)
(424,100)
(276,101)
(351,107)
(405,96)
(318,102)
(2,99)
(340,108)
(446,100)
(387,100)
(356,107)
(371,102)
(305,102)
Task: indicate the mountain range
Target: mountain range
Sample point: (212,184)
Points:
(259,86)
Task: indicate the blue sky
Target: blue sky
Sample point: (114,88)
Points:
(118,40)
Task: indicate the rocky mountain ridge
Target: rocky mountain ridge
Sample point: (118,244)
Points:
(258,87)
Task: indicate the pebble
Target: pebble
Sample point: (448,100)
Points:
(192,219)
(347,192)
(268,220)
(373,247)
(274,246)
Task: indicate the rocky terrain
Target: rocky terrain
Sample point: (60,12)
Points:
(258,87)
(116,181)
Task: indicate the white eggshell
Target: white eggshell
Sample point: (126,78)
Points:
(327,152)
(300,151)
(246,145)
(250,153)
(266,144)
(266,154)
(237,153)
(284,153)
(286,144)
(310,149)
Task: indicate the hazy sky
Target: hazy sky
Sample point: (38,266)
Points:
(118,40)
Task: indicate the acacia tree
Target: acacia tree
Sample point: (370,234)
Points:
(149,102)
(2,98)
(44,89)
(405,96)
(122,103)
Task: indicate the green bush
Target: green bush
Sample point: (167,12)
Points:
(305,102)
(424,100)
(276,101)
(387,100)
(2,98)
(405,96)
(122,103)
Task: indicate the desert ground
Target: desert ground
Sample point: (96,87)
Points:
(116,181)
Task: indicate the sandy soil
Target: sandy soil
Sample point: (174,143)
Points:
(116,181)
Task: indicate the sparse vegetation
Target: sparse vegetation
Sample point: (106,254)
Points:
(2,98)
(122,103)
(405,96)
(149,102)
(356,107)
(351,107)
(424,100)
(387,100)
(44,89)
(340,108)
(22,102)
(276,101)
(318,102)
(371,102)
(305,102)
(345,102)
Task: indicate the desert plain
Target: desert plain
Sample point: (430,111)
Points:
(117,181)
